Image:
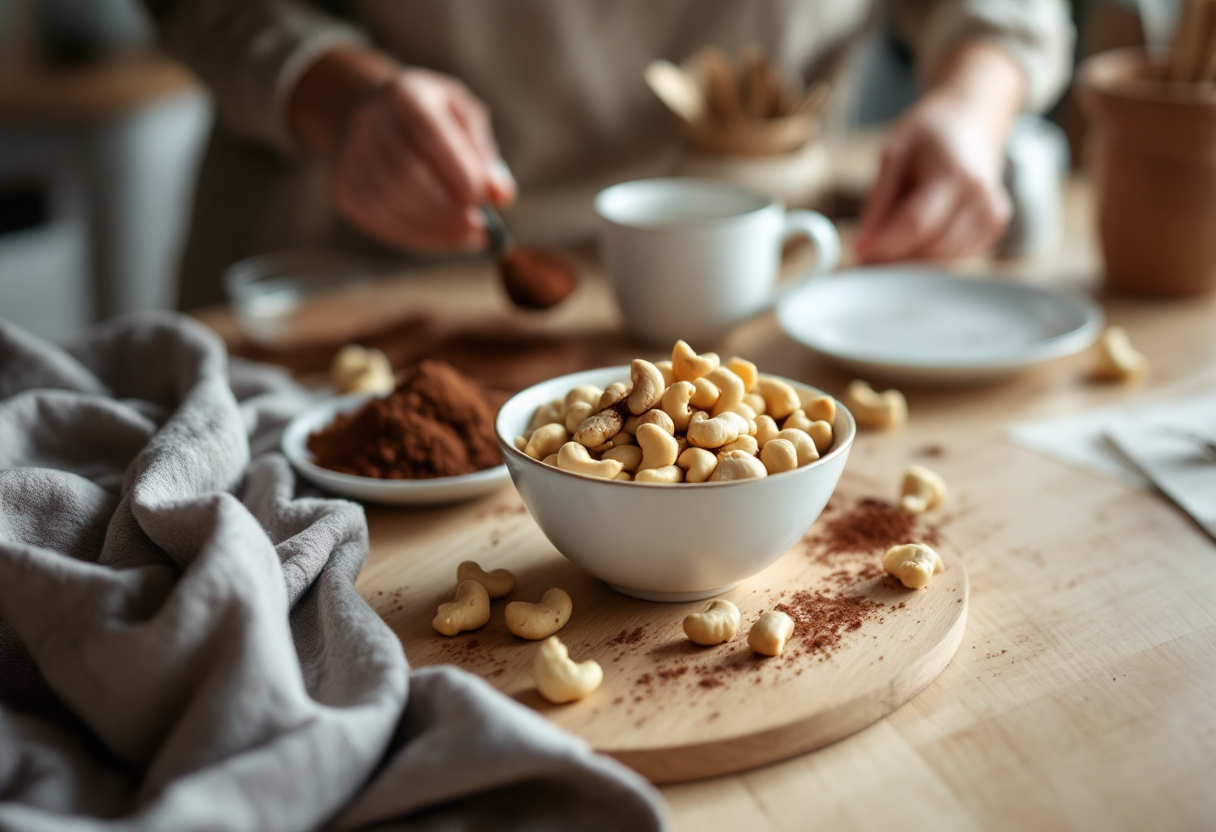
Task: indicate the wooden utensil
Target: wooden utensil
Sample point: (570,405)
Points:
(677,90)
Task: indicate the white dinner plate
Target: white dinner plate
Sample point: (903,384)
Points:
(921,325)
(370,489)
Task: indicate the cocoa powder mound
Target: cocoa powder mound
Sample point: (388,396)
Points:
(437,423)
(870,526)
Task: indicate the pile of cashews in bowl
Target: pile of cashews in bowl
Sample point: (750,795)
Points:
(691,419)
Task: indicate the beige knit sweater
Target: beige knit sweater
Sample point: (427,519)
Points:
(562,78)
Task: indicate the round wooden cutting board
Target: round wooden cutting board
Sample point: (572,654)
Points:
(669,709)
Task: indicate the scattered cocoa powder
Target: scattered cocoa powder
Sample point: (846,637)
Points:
(437,423)
(871,526)
(821,620)
(633,636)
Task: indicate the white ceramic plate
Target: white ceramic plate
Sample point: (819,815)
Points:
(369,489)
(916,324)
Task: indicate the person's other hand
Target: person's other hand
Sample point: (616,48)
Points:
(939,192)
(415,161)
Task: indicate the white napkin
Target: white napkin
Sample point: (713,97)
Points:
(1160,442)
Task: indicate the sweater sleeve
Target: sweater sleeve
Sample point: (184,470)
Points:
(1037,34)
(250,54)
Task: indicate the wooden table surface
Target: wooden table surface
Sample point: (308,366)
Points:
(1082,695)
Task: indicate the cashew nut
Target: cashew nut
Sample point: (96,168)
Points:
(766,429)
(648,386)
(659,448)
(780,399)
(779,455)
(654,417)
(498,583)
(912,563)
(520,442)
(698,464)
(624,476)
(1116,359)
(612,394)
(770,633)
(798,419)
(820,409)
(756,402)
(821,434)
(664,367)
(877,411)
(546,440)
(630,456)
(598,429)
(576,414)
(666,475)
(551,459)
(686,365)
(469,610)
(746,444)
(617,441)
(575,458)
(716,625)
(358,370)
(745,370)
(540,620)
(676,403)
(716,432)
(730,390)
(921,490)
(803,444)
(547,414)
(706,395)
(738,465)
(588,394)
(561,680)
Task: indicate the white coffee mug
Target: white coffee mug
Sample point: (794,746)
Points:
(692,258)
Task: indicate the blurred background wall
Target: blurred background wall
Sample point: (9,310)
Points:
(100,136)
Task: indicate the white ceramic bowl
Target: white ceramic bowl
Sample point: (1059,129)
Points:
(667,542)
(426,492)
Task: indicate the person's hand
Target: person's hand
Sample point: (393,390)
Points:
(939,192)
(416,160)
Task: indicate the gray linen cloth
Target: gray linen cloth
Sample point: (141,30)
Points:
(181,644)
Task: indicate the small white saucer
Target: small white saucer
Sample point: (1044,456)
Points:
(920,325)
(369,489)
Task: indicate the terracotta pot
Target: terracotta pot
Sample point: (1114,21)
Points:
(1152,157)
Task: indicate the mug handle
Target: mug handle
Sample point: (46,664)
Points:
(822,234)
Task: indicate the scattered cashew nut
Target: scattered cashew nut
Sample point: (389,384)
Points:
(540,620)
(877,411)
(912,563)
(770,633)
(358,370)
(716,625)
(921,490)
(558,678)
(498,583)
(468,611)
(1116,359)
